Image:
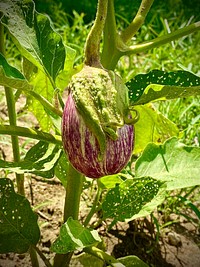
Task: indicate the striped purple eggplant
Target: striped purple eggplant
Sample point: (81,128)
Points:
(82,146)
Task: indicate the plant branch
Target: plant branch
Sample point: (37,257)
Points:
(137,22)
(44,102)
(71,208)
(163,39)
(112,44)
(14,130)
(42,256)
(12,120)
(103,256)
(93,209)
(92,48)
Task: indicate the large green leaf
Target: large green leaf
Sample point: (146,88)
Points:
(40,160)
(133,198)
(161,85)
(18,223)
(43,87)
(34,36)
(73,236)
(132,261)
(173,162)
(152,127)
(11,77)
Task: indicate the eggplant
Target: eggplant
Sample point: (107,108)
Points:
(83,149)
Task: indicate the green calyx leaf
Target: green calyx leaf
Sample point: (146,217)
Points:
(101,98)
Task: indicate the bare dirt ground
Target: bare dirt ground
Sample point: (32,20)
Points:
(177,245)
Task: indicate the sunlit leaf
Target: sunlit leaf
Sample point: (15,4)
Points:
(11,77)
(61,169)
(109,181)
(40,160)
(34,36)
(132,261)
(152,127)
(18,223)
(64,76)
(133,198)
(73,236)
(160,85)
(172,162)
(42,86)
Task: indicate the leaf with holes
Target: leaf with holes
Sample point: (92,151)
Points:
(172,162)
(160,85)
(133,198)
(73,236)
(18,223)
(34,36)
(61,169)
(40,160)
(11,77)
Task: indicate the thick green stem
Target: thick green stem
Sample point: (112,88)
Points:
(92,49)
(111,42)
(15,142)
(73,193)
(163,39)
(103,256)
(28,132)
(71,208)
(137,22)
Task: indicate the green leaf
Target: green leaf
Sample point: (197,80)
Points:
(172,162)
(18,223)
(86,260)
(73,236)
(152,127)
(43,87)
(134,198)
(160,85)
(65,75)
(109,181)
(132,261)
(11,77)
(40,160)
(61,169)
(34,36)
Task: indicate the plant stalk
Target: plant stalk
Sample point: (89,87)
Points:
(71,208)
(92,48)
(93,209)
(163,39)
(103,256)
(111,40)
(12,120)
(30,133)
(137,22)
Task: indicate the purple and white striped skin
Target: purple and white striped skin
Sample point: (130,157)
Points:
(82,147)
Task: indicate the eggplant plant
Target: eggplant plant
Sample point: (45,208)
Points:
(92,134)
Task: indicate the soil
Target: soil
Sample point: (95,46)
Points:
(176,245)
